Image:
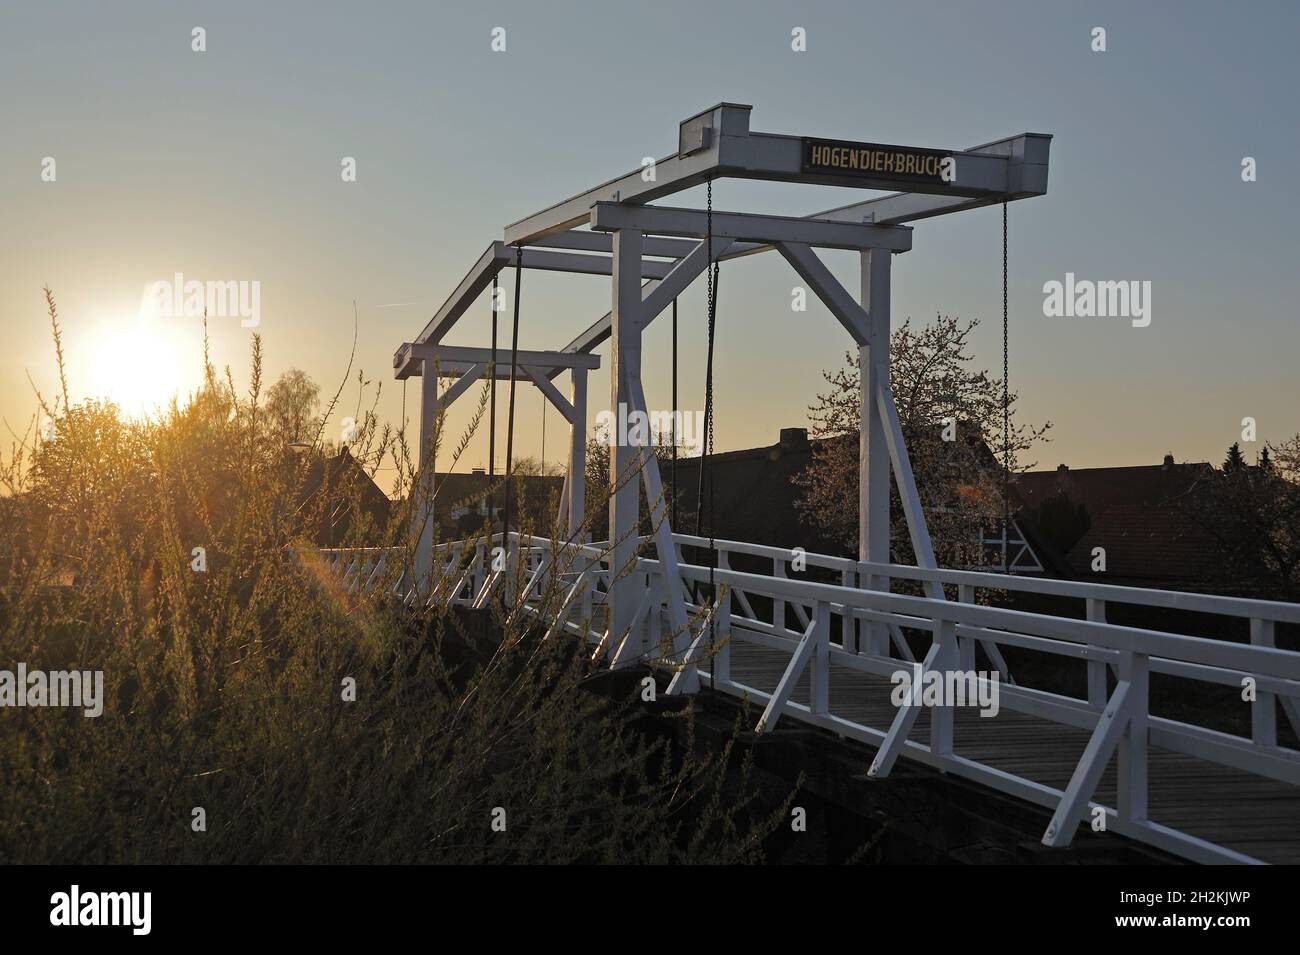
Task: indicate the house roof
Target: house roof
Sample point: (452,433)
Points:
(1098,488)
(1145,542)
(753,495)
(1134,511)
(344,477)
(1134,515)
(459,499)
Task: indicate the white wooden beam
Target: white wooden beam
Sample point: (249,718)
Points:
(546,260)
(409,359)
(461,385)
(1090,768)
(827,288)
(892,745)
(659,220)
(725,146)
(600,242)
(726,122)
(684,272)
(422,493)
(663,532)
(808,645)
(576,489)
(1131,764)
(922,548)
(479,278)
(873,446)
(624,460)
(551,392)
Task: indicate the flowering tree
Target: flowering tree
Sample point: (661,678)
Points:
(951,415)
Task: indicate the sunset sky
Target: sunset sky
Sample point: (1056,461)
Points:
(225,165)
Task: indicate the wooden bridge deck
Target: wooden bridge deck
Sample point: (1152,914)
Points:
(1248,813)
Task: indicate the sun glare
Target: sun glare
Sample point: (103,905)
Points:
(140,363)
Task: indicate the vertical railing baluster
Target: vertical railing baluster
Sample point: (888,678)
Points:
(1098,692)
(875,633)
(941,715)
(1132,763)
(653,627)
(966,645)
(848,623)
(1263,711)
(778,603)
(819,666)
(720,666)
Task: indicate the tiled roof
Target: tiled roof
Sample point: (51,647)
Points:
(1152,542)
(1098,488)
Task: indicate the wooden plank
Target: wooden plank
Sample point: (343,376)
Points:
(1240,811)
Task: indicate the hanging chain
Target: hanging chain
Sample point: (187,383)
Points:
(713,298)
(492,420)
(706,464)
(510,411)
(676,489)
(1006,390)
(708,371)
(399,486)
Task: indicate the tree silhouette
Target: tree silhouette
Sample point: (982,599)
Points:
(1234,461)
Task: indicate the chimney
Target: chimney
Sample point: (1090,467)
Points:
(794,437)
(1168,462)
(480,471)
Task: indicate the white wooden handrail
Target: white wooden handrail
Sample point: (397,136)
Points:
(1119,721)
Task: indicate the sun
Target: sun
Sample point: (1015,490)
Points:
(139,362)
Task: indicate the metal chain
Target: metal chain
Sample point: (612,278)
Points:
(510,412)
(708,370)
(675,486)
(1006,389)
(706,463)
(492,420)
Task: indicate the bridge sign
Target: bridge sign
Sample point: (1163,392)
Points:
(839,157)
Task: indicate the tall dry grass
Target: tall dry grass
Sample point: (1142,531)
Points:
(224,688)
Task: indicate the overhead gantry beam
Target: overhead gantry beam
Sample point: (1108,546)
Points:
(689,166)
(546,260)
(718,143)
(1027,158)
(452,359)
(500,256)
(470,287)
(658,220)
(656,295)
(729,230)
(599,242)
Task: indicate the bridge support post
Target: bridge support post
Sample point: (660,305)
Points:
(576,486)
(624,459)
(422,493)
(873,448)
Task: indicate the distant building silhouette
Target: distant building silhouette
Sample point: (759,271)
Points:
(1133,513)
(1059,516)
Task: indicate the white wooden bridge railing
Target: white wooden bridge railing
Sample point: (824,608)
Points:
(565,585)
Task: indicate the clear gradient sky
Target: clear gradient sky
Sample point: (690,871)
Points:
(226,165)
